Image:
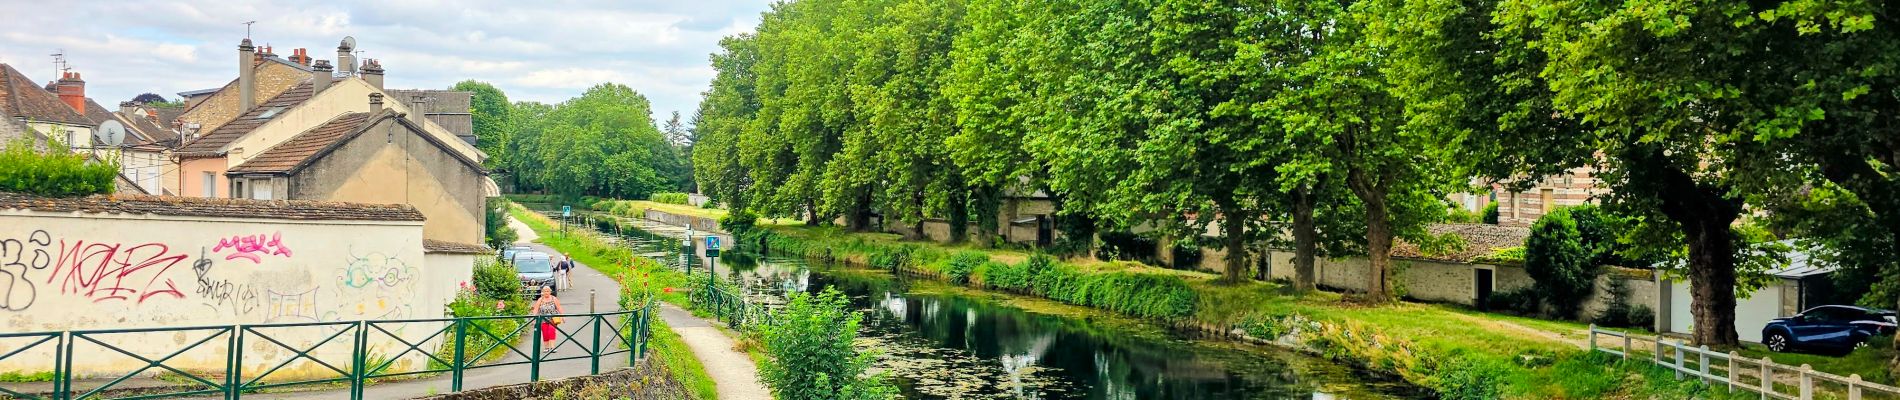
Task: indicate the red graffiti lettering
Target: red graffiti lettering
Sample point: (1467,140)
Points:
(253,247)
(110,271)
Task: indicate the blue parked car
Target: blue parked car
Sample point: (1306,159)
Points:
(1830,328)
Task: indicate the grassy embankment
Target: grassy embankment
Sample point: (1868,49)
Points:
(634,273)
(1456,352)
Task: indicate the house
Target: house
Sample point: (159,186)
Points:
(145,152)
(43,111)
(380,156)
(262,75)
(1575,187)
(309,143)
(446,108)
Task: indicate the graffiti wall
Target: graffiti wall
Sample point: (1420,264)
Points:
(66,271)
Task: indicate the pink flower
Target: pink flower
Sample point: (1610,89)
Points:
(500,305)
(668,290)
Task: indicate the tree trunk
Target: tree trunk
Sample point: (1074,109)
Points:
(1378,248)
(1305,243)
(959,216)
(988,210)
(811,214)
(858,218)
(1712,280)
(1233,232)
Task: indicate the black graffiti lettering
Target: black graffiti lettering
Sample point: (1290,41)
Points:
(17,291)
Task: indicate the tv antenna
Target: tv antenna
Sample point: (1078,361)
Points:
(247,29)
(59,63)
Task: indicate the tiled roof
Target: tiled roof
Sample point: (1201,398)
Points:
(20,97)
(440,246)
(287,155)
(1480,240)
(230,132)
(149,128)
(167,114)
(209,207)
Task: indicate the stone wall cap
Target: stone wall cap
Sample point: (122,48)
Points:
(212,207)
(447,247)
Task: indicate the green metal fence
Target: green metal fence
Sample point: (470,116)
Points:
(599,335)
(733,308)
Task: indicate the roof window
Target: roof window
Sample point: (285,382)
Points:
(272,112)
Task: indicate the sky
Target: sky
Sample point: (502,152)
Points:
(536,50)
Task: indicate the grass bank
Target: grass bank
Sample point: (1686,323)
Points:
(1456,352)
(638,277)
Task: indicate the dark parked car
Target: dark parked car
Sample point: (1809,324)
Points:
(508,253)
(535,269)
(1831,328)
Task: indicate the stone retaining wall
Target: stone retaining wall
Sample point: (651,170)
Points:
(649,380)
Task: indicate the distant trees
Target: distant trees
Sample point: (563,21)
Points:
(603,143)
(1340,125)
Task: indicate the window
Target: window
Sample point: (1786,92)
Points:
(237,189)
(260,189)
(210,184)
(1550,202)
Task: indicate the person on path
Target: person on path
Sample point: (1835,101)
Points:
(548,305)
(561,271)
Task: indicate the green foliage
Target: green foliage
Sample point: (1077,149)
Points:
(1508,255)
(1467,377)
(54,172)
(496,231)
(1463,216)
(491,116)
(963,264)
(669,198)
(812,356)
(603,143)
(495,280)
(480,302)
(1555,258)
(1491,213)
(1620,313)
(1521,301)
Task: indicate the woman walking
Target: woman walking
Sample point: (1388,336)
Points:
(548,306)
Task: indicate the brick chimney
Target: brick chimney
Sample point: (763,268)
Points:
(72,91)
(301,56)
(375,102)
(319,76)
(129,108)
(247,76)
(373,73)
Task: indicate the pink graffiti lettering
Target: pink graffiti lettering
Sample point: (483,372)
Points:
(110,271)
(253,247)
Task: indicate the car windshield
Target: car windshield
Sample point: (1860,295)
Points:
(534,265)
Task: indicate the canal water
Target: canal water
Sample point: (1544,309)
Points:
(940,341)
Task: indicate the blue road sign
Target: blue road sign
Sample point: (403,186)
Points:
(567,211)
(712,243)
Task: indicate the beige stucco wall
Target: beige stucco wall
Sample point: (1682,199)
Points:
(344,96)
(118,271)
(373,168)
(222,107)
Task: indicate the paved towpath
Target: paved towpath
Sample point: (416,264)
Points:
(732,371)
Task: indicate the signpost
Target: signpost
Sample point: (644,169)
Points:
(566,211)
(712,258)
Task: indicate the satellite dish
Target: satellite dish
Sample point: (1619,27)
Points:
(349,41)
(111,133)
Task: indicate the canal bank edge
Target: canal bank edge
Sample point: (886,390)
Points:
(1488,360)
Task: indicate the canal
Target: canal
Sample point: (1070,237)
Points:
(940,341)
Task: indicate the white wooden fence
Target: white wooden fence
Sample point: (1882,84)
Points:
(1763,375)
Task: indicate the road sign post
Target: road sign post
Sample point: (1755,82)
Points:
(712,258)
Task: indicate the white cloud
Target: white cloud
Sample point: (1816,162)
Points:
(535,51)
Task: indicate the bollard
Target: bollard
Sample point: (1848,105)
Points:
(590,301)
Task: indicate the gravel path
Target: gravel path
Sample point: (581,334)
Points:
(732,371)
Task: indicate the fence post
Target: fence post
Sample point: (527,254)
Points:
(1767,377)
(1626,346)
(1657,356)
(357,361)
(233,369)
(461,355)
(1704,351)
(1732,376)
(62,370)
(1593,338)
(534,361)
(1853,387)
(1679,365)
(1807,382)
(595,357)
